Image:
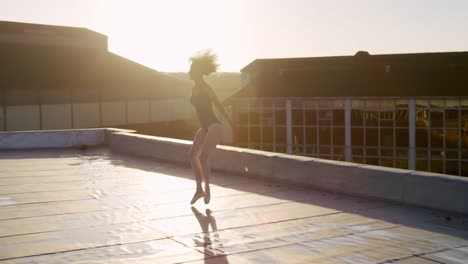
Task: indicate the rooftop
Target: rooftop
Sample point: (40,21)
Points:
(94,205)
(54,59)
(361,58)
(361,75)
(50,35)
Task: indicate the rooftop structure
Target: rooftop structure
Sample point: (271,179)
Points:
(361,75)
(399,110)
(48,35)
(54,77)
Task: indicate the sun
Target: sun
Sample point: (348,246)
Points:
(163,34)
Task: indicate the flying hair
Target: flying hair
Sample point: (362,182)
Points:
(205,61)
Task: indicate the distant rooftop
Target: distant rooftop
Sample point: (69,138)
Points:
(49,57)
(50,35)
(362,57)
(359,75)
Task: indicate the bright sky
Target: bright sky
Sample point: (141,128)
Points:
(162,34)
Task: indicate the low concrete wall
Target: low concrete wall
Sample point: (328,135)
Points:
(165,149)
(424,189)
(55,138)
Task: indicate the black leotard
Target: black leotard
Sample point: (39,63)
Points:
(204,108)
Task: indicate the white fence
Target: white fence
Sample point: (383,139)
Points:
(428,134)
(92,114)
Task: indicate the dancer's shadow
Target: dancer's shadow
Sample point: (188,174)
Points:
(211,243)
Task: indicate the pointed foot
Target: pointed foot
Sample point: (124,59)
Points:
(196,196)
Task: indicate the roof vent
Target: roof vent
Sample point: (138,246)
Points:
(362,53)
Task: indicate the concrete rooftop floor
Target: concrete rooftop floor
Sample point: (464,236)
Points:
(93,206)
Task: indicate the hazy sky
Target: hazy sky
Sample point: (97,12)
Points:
(163,34)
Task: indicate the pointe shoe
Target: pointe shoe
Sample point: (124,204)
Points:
(197,196)
(207,197)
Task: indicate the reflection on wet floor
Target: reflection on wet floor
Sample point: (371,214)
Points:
(210,242)
(69,206)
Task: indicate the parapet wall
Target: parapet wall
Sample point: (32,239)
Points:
(51,139)
(424,189)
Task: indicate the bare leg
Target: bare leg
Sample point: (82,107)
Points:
(212,138)
(195,152)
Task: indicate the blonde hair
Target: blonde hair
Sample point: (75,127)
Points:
(205,61)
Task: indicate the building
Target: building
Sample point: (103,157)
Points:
(362,75)
(54,77)
(400,110)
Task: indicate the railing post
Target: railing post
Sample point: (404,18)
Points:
(412,134)
(4,109)
(460,137)
(100,106)
(235,121)
(289,140)
(348,152)
(41,126)
(249,143)
(72,115)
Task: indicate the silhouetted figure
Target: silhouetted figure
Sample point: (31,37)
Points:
(209,135)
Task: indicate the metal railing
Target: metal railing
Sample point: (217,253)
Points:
(419,133)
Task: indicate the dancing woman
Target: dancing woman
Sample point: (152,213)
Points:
(209,135)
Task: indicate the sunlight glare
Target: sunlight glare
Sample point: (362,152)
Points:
(163,34)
